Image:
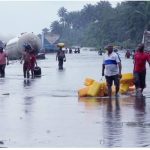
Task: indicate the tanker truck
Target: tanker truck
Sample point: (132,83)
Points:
(15,46)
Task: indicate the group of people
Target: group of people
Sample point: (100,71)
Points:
(77,50)
(112,67)
(28,59)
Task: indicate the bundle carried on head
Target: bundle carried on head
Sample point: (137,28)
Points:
(27,47)
(61,45)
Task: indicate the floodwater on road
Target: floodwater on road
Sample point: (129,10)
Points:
(46,111)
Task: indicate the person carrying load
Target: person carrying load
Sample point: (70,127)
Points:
(112,67)
(60,56)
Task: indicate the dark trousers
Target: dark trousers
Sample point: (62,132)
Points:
(110,79)
(26,71)
(2,70)
(60,64)
(139,78)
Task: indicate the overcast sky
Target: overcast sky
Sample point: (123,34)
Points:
(33,16)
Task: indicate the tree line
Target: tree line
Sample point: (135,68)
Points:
(100,24)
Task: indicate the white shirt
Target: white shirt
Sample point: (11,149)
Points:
(111,64)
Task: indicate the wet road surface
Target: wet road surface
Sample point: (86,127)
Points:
(46,111)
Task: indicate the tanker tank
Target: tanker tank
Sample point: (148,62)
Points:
(15,46)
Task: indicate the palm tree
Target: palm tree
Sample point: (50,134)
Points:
(62,13)
(45,30)
(56,27)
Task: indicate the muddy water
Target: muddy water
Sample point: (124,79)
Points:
(46,112)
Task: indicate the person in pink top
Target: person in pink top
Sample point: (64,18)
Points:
(140,59)
(33,63)
(3,61)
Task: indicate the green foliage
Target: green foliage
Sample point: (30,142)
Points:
(101,24)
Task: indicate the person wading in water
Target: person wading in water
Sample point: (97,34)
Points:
(60,56)
(26,59)
(140,59)
(112,67)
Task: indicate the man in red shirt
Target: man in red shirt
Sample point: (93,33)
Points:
(140,59)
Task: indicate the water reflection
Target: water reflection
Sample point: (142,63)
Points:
(90,102)
(2,81)
(141,128)
(126,121)
(140,103)
(27,82)
(28,104)
(112,125)
(117,104)
(62,70)
(28,117)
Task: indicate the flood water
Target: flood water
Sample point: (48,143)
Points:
(46,111)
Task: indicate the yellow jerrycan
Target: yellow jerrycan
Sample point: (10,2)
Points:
(88,81)
(103,89)
(83,92)
(124,88)
(94,89)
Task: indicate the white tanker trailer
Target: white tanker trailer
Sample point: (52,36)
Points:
(15,46)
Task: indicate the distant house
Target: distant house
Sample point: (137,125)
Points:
(49,42)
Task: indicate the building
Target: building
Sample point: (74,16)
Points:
(49,41)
